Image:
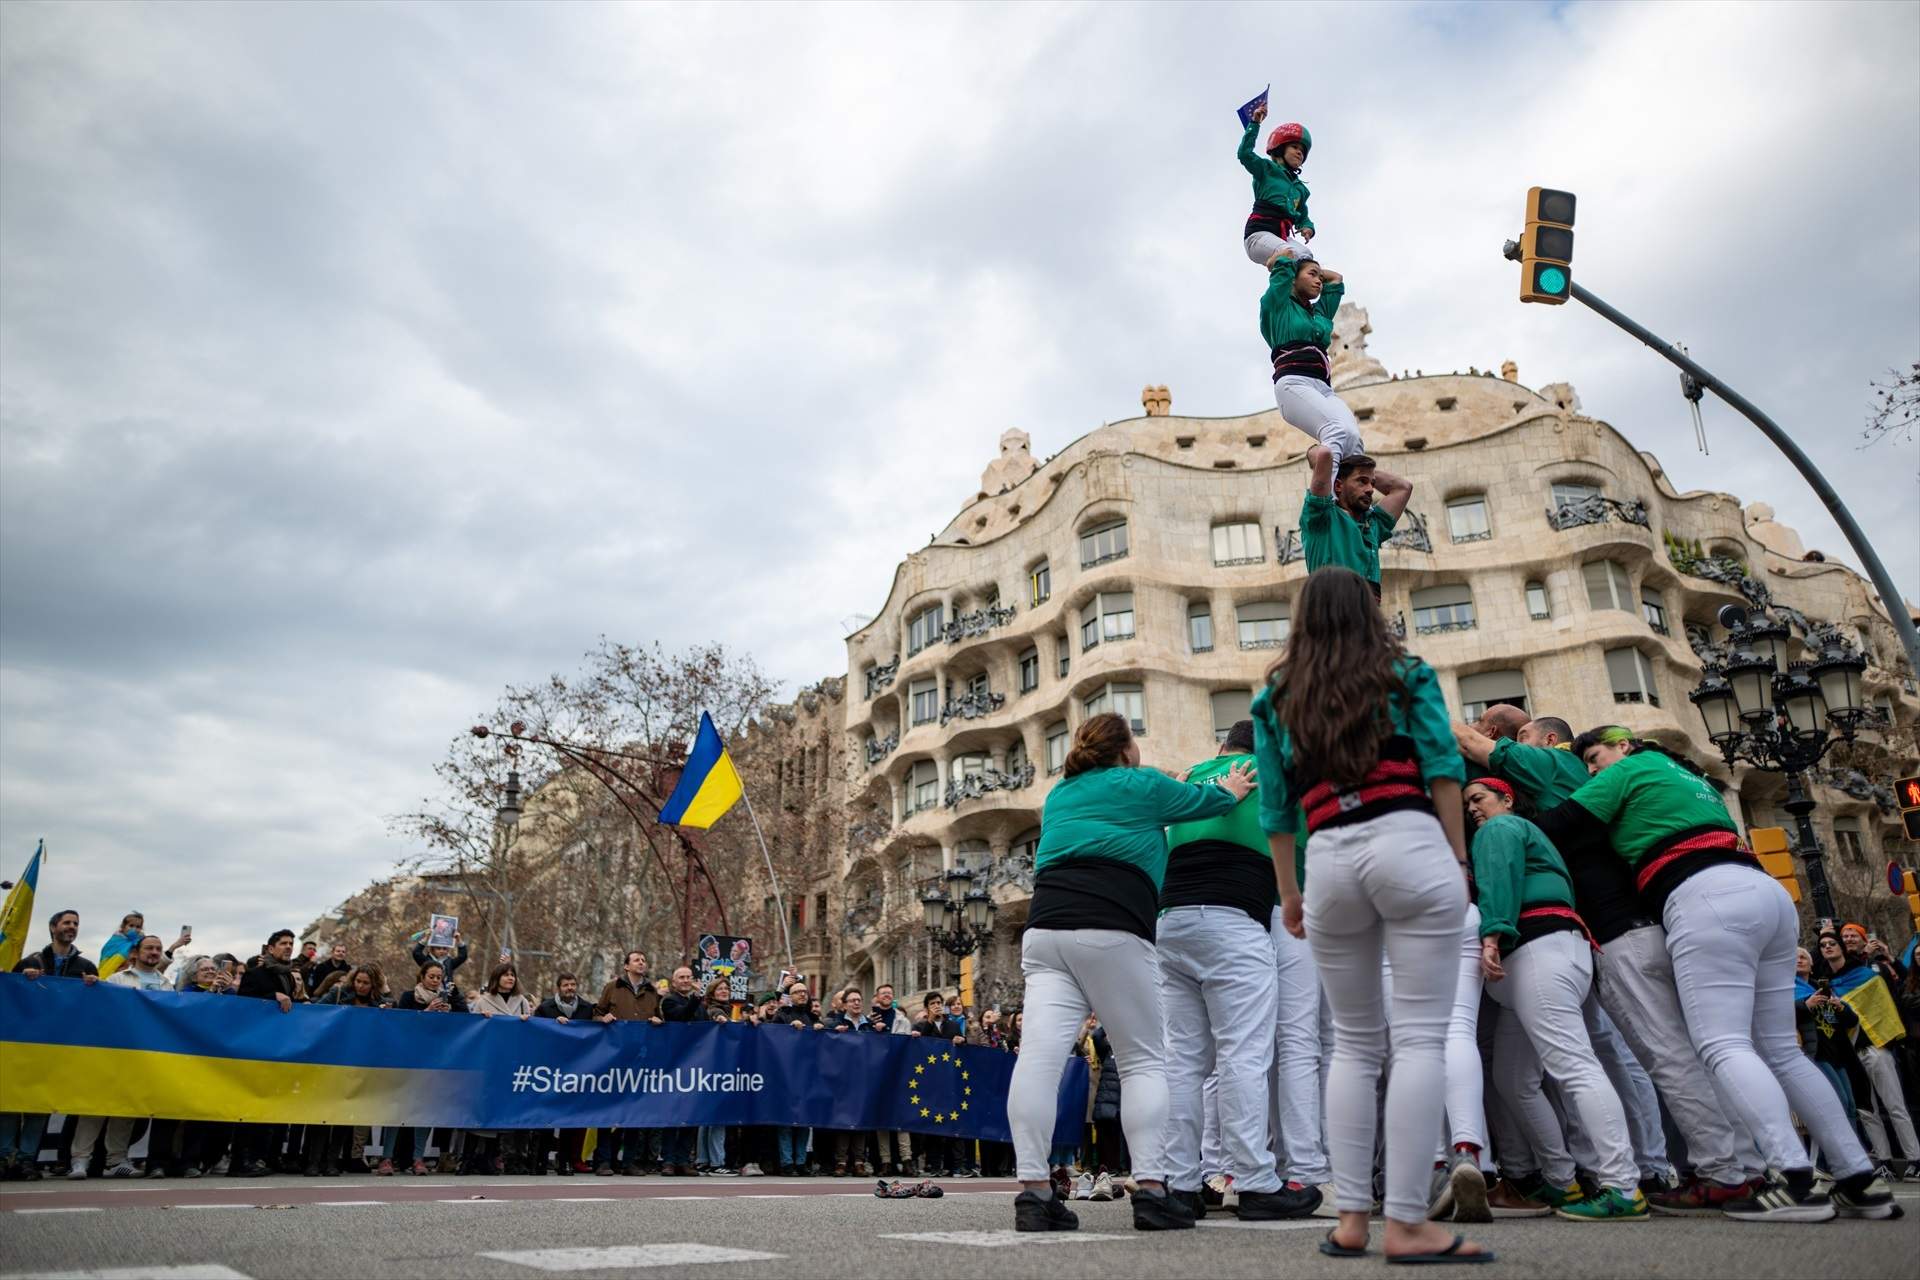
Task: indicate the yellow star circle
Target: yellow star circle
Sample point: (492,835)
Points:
(922,1079)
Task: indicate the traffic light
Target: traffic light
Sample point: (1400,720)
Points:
(1775,851)
(1907,792)
(1546,247)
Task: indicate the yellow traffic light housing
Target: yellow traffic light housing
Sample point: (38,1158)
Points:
(1775,851)
(1546,247)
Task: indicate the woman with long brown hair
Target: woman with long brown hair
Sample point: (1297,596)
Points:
(1351,731)
(1089,949)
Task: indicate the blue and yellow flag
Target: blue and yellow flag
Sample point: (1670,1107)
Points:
(709,784)
(1866,993)
(16,917)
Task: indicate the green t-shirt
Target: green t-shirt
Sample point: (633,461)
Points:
(1548,776)
(1239,825)
(1513,867)
(1330,535)
(1648,798)
(1121,814)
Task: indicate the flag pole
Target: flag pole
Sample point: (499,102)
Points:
(772,877)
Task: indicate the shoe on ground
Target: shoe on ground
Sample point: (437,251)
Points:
(721,1171)
(751,1170)
(1778,1202)
(1608,1204)
(419,1168)
(77,1172)
(1466,1193)
(1031,1213)
(1196,1201)
(1655,1184)
(156,1171)
(1508,1201)
(124,1169)
(1161,1213)
(1214,1190)
(1272,1206)
(1083,1187)
(1325,1208)
(1102,1188)
(1558,1197)
(1698,1197)
(192,1171)
(1872,1200)
(1439,1195)
(384,1169)
(1061,1178)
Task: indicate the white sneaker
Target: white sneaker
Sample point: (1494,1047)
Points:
(751,1170)
(1230,1198)
(1326,1209)
(124,1169)
(1102,1188)
(1083,1187)
(78,1173)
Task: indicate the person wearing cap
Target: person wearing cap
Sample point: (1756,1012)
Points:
(1279,219)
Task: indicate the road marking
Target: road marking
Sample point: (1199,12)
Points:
(642,1255)
(587,1199)
(68,1209)
(209,1206)
(189,1271)
(351,1204)
(1283,1225)
(1000,1239)
(770,1195)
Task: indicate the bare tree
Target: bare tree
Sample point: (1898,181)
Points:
(1895,408)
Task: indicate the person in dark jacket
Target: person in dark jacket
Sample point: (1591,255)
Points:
(850,1146)
(631,997)
(566,1005)
(682,1003)
(448,958)
(943,1156)
(431,994)
(60,958)
(792,1141)
(1110,1139)
(257,1147)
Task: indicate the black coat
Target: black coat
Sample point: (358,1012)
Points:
(550,1008)
(690,1007)
(77,965)
(1106,1098)
(793,1013)
(456,1004)
(862,1023)
(266,979)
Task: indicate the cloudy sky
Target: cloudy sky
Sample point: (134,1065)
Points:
(358,360)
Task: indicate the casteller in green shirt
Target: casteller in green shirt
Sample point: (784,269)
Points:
(1515,868)
(1547,776)
(1329,534)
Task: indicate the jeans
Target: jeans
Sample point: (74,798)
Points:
(1312,406)
(713,1146)
(1387,887)
(1299,1109)
(1219,998)
(1882,1070)
(1637,991)
(1633,1087)
(20,1135)
(1070,972)
(1732,933)
(793,1146)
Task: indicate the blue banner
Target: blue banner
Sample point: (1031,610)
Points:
(108,1050)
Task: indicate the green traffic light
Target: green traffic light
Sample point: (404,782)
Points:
(1552,280)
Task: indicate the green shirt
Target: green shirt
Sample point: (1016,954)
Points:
(1285,319)
(1421,715)
(1513,867)
(1272,184)
(1648,798)
(1121,814)
(1239,825)
(1330,535)
(1548,776)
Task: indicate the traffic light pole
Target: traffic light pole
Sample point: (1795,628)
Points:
(1882,580)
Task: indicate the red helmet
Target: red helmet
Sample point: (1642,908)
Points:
(1289,132)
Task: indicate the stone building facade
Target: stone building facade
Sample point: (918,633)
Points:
(1151,568)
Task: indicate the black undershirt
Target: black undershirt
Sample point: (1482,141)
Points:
(1219,873)
(1094,893)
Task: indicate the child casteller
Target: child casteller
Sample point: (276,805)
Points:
(1279,214)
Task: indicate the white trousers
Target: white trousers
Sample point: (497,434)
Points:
(1070,973)
(1213,1152)
(1466,1104)
(1262,245)
(1299,1105)
(1732,933)
(1311,405)
(1883,1075)
(1388,887)
(1218,997)
(1632,1086)
(1636,989)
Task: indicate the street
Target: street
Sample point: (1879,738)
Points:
(218,1229)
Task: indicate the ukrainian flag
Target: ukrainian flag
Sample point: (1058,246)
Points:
(16,917)
(709,784)
(1865,992)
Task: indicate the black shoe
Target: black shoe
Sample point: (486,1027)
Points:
(1271,1206)
(1031,1213)
(1196,1201)
(1160,1213)
(1776,1201)
(1863,1196)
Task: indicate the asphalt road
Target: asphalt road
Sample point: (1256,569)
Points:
(740,1230)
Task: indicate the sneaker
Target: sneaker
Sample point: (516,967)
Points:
(1609,1204)
(156,1171)
(1468,1189)
(968,1172)
(1196,1202)
(1161,1213)
(1872,1199)
(1698,1197)
(1655,1184)
(1102,1188)
(77,1172)
(1508,1201)
(1213,1192)
(1062,1179)
(384,1169)
(1272,1206)
(1439,1195)
(1558,1197)
(751,1170)
(721,1171)
(1231,1200)
(124,1169)
(1031,1213)
(1326,1207)
(193,1171)
(1083,1187)
(1778,1202)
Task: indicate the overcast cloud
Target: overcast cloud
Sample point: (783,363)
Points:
(358,360)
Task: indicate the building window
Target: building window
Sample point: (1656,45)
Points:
(1263,624)
(1230,707)
(1539,603)
(1102,543)
(1438,609)
(1030,671)
(1065,651)
(1200,628)
(1237,543)
(923,697)
(978,686)
(923,786)
(1632,677)
(1040,582)
(1025,848)
(1017,756)
(1467,519)
(1846,838)
(1491,688)
(925,628)
(1108,616)
(1057,737)
(972,855)
(1654,609)
(1607,586)
(969,766)
(1126,700)
(1568,492)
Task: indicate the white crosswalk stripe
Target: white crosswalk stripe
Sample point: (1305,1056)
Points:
(638,1255)
(1001,1239)
(187,1271)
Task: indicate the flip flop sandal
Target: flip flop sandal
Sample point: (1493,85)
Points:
(1449,1255)
(1334,1249)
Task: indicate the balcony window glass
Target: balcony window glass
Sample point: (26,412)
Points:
(1846,838)
(1017,756)
(1230,707)
(1200,628)
(1108,616)
(1467,519)
(1238,543)
(1439,609)
(1607,586)
(970,766)
(1029,670)
(1539,603)
(926,627)
(1568,492)
(1632,677)
(1057,738)
(1040,582)
(1103,542)
(923,786)
(1065,659)
(1654,609)
(924,699)
(978,686)
(972,855)
(1489,688)
(1263,624)
(1128,700)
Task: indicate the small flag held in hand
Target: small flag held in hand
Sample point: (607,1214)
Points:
(1246,112)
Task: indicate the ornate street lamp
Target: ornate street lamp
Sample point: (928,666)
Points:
(961,919)
(1783,716)
(508,814)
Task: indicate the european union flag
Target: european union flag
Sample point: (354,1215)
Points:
(1246,113)
(938,1089)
